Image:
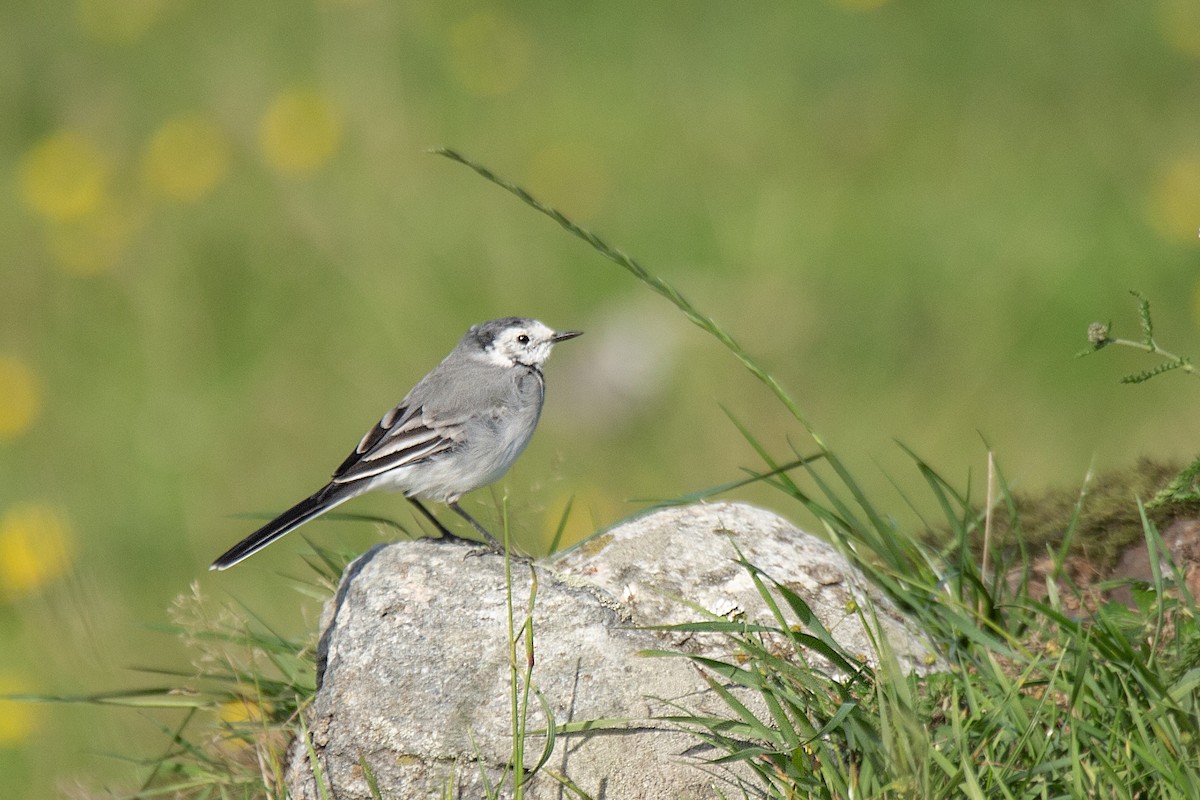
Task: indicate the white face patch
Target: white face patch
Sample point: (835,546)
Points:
(527,344)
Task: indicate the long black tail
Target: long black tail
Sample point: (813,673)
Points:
(313,506)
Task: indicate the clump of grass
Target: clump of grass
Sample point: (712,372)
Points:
(250,685)
(241,700)
(1037,701)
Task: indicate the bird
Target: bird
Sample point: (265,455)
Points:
(459,428)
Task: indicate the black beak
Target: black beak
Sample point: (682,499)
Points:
(564,335)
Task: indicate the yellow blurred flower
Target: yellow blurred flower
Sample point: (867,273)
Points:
(35,548)
(1174,204)
(20,397)
(237,711)
(1179,23)
(17,719)
(186,158)
(93,243)
(64,176)
(300,132)
(238,714)
(117,21)
(489,55)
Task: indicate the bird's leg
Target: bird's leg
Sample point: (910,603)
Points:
(458,510)
(446,532)
(442,529)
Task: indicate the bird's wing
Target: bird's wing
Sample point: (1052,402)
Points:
(406,435)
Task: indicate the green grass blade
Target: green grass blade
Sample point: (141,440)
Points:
(369,776)
(562,526)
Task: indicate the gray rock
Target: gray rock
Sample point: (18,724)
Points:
(416,674)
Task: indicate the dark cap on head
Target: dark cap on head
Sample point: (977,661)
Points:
(485,332)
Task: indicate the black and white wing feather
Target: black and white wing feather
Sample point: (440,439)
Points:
(404,436)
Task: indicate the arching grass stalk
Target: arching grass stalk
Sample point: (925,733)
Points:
(701,320)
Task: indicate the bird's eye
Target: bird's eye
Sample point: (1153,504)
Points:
(523,338)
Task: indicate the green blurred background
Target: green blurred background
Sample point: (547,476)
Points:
(227,252)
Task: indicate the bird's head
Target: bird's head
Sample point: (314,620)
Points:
(515,341)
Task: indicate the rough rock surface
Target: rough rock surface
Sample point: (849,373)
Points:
(655,563)
(415,657)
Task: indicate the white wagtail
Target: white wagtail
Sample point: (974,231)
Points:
(461,427)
